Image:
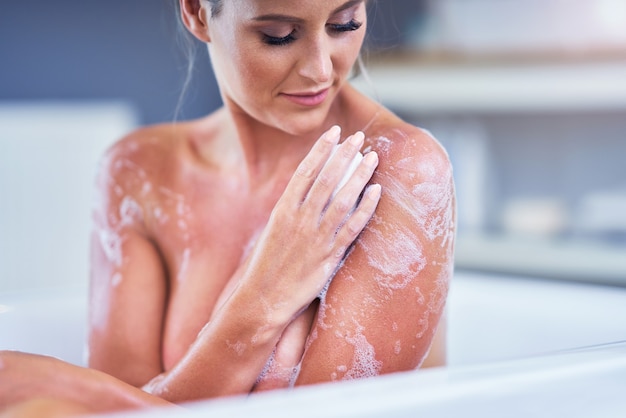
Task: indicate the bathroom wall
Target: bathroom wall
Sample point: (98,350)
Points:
(74,77)
(124,50)
(532,169)
(100,50)
(528,97)
(47,172)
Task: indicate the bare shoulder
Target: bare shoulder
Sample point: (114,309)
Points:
(139,152)
(416,175)
(384,306)
(133,170)
(407,153)
(159,151)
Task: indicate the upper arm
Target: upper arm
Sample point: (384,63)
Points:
(383,307)
(127,280)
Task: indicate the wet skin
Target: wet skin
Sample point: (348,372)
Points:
(194,223)
(204,272)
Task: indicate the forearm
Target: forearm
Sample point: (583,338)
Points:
(228,355)
(102,392)
(294,257)
(29,380)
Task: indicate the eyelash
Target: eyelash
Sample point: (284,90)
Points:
(346,27)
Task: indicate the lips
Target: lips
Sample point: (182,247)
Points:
(307,98)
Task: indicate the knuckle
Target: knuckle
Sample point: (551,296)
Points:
(324,179)
(365,172)
(305,170)
(348,151)
(343,205)
(354,225)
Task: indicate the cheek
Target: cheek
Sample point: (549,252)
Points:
(258,70)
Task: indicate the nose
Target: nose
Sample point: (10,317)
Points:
(316,61)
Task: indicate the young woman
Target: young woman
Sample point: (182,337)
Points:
(216,239)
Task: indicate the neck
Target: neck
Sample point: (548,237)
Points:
(267,153)
(270,154)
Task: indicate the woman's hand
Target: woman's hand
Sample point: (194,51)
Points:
(28,381)
(311,227)
(301,247)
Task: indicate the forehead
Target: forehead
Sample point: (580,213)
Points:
(297,8)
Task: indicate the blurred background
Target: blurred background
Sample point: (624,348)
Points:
(527,96)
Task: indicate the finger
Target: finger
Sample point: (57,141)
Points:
(357,221)
(347,197)
(311,165)
(332,173)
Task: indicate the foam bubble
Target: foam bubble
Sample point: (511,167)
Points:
(396,254)
(130,211)
(132,146)
(349,171)
(324,291)
(116,279)
(364,362)
(397,348)
(423,326)
(434,199)
(161,217)
(180,208)
(125,164)
(146,188)
(268,367)
(111,244)
(421,299)
(295,372)
(257,336)
(238,347)
(382,144)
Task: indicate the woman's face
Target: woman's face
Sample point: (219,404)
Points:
(283,62)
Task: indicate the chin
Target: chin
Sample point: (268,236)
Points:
(302,124)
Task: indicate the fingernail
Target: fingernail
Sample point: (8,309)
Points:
(334,132)
(374,191)
(371,158)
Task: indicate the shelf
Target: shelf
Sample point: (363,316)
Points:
(428,87)
(575,260)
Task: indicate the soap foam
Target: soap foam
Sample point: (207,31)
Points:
(116,279)
(397,256)
(238,347)
(354,164)
(364,363)
(111,244)
(130,211)
(146,188)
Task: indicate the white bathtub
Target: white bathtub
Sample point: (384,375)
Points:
(500,329)
(580,384)
(490,318)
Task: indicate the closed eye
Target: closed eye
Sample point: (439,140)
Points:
(346,27)
(279,41)
(285,40)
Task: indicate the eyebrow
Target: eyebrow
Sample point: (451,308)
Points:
(292,19)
